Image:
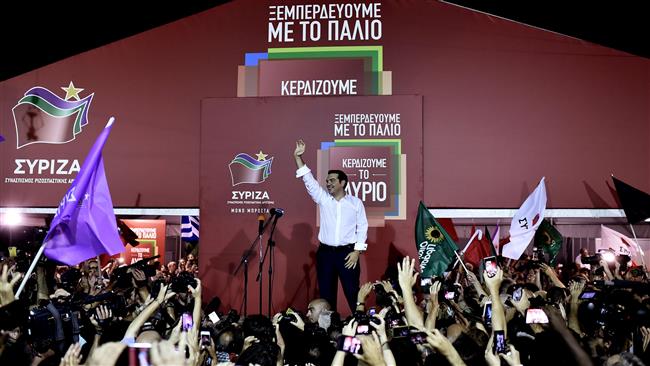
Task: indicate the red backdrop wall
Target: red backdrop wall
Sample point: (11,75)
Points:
(502,105)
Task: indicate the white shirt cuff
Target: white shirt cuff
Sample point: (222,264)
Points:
(360,246)
(302,171)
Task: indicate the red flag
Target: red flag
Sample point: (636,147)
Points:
(448,225)
(477,249)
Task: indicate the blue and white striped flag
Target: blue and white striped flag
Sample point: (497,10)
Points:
(190,228)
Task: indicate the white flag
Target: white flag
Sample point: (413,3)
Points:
(618,243)
(526,220)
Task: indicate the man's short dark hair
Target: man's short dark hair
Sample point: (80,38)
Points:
(259,326)
(340,175)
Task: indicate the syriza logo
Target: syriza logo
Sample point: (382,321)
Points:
(246,169)
(42,117)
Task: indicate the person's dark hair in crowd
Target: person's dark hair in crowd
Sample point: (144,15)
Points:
(261,353)
(260,327)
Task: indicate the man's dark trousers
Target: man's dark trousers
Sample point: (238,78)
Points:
(330,265)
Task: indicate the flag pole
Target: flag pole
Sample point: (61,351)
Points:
(469,242)
(477,232)
(30,270)
(461,262)
(645,268)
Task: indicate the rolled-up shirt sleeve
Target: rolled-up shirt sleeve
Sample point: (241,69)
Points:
(313,188)
(362,228)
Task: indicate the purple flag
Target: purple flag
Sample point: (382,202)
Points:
(84,225)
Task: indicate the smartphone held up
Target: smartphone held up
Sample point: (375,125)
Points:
(188,322)
(491,266)
(349,344)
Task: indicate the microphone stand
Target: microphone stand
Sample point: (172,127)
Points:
(269,249)
(244,262)
(261,259)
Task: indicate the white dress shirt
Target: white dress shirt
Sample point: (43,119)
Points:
(341,222)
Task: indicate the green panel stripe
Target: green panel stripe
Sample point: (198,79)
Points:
(388,142)
(377,50)
(376,64)
(375,53)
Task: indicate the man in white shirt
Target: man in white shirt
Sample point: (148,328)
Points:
(343,232)
(584,252)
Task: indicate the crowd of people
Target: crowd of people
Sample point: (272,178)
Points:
(518,313)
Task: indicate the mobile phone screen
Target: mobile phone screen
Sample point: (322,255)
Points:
(587,295)
(349,344)
(418,337)
(536,316)
(363,329)
(187,321)
(487,312)
(205,338)
(139,354)
(401,332)
(499,342)
(490,266)
(372,311)
(449,295)
(516,295)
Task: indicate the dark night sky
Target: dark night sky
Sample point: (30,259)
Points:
(37,34)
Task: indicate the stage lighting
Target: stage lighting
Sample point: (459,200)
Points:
(12,218)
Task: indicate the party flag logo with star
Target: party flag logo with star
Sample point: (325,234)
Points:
(44,117)
(246,169)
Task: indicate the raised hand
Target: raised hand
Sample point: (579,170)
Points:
(164,295)
(380,329)
(406,273)
(494,282)
(438,341)
(7,287)
(103,316)
(372,354)
(106,354)
(298,323)
(575,288)
(249,341)
(645,332)
(300,148)
(364,291)
(72,357)
(196,291)
(350,329)
(512,357)
(164,353)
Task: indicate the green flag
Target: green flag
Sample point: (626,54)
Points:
(549,239)
(435,247)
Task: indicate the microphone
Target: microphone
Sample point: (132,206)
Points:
(278,212)
(260,219)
